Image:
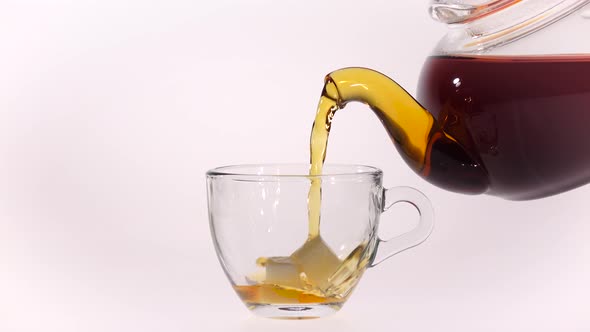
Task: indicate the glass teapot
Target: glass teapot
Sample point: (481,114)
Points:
(503,104)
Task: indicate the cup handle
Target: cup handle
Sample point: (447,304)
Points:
(388,248)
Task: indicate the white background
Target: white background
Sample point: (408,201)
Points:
(112,111)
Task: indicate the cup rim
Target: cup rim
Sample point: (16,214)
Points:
(265,170)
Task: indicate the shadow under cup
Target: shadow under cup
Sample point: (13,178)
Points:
(266,230)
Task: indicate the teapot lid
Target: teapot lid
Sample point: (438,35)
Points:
(460,11)
(478,26)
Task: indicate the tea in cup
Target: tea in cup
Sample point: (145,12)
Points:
(284,258)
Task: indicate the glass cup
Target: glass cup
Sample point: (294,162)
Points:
(261,220)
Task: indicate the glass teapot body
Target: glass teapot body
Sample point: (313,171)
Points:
(511,83)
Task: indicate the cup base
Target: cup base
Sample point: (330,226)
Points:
(294,311)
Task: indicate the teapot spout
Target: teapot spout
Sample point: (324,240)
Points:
(423,144)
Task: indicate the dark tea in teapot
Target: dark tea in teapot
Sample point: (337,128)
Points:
(525,118)
(514,127)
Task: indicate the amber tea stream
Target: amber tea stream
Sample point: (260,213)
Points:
(313,273)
